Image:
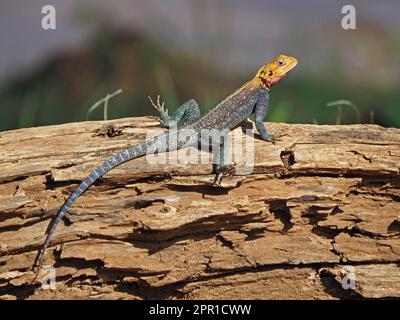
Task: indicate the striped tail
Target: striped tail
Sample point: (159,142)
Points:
(114,161)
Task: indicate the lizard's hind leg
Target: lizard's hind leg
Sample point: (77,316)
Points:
(220,157)
(219,145)
(187,113)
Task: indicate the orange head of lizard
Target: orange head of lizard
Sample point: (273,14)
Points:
(274,71)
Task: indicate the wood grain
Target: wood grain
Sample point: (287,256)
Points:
(321,198)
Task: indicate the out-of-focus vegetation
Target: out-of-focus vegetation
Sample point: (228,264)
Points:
(105,102)
(65,88)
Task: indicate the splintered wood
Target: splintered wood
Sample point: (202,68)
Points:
(318,218)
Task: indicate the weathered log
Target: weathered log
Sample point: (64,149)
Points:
(320,199)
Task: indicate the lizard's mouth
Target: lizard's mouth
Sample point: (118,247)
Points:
(268,83)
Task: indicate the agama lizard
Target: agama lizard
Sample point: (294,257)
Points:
(233,111)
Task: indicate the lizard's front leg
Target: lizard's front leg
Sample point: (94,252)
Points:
(220,155)
(187,113)
(260,111)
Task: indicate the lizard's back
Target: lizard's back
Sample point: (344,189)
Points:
(232,110)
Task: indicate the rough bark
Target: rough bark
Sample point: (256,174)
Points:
(319,199)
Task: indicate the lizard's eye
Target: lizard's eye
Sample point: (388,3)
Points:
(270,73)
(281,63)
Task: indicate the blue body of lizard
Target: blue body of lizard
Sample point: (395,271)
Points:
(233,111)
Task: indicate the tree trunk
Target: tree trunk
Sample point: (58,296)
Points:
(318,218)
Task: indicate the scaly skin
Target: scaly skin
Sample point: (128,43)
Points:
(233,111)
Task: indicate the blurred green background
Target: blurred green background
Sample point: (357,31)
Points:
(204,50)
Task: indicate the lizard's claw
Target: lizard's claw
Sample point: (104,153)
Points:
(274,139)
(270,138)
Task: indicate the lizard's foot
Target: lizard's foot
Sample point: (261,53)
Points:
(269,137)
(217,180)
(220,171)
(228,169)
(160,108)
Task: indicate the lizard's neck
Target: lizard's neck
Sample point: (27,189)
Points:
(257,83)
